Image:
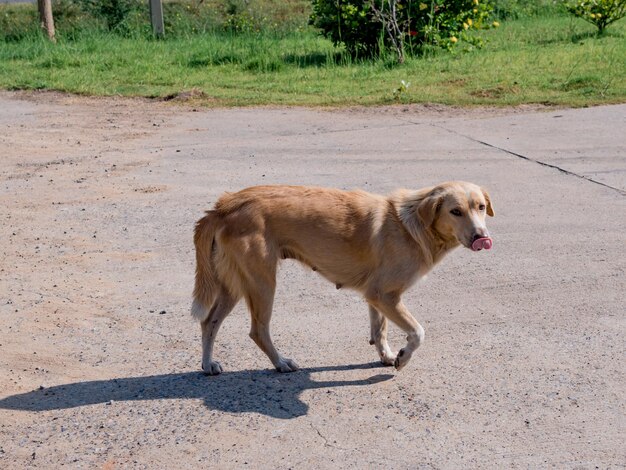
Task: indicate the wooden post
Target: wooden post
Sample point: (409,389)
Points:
(45,18)
(156,16)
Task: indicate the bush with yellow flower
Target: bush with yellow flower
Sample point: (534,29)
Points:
(439,23)
(600,13)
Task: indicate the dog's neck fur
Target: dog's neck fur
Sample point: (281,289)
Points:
(431,244)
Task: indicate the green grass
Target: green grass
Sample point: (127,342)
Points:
(547,59)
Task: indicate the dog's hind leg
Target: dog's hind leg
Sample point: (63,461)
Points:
(223,305)
(256,263)
(260,302)
(379,337)
(392,307)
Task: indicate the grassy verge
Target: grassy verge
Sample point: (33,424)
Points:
(549,59)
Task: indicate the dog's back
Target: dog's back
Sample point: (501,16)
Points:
(309,224)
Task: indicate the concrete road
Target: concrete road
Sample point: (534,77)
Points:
(523,364)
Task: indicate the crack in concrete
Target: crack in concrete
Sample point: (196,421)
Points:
(539,162)
(326,443)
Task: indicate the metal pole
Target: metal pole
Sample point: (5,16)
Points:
(156,16)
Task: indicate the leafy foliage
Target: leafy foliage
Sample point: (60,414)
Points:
(356,24)
(348,22)
(600,13)
(17,23)
(114,12)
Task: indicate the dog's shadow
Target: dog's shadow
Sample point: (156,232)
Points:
(264,392)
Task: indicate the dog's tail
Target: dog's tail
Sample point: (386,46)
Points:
(207,284)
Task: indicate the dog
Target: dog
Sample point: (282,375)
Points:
(376,245)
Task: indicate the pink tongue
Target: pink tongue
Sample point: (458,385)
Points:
(481,243)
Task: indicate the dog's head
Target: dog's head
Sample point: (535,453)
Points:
(456,212)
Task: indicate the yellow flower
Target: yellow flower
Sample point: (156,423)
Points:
(495,24)
(453,39)
(423,6)
(475,10)
(598,15)
(465,26)
(593,15)
(469,21)
(475,2)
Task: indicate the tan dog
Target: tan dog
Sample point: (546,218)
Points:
(376,245)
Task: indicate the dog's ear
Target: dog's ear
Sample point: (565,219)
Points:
(428,207)
(490,211)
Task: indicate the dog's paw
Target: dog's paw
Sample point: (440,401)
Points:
(212,368)
(286,365)
(401,359)
(388,359)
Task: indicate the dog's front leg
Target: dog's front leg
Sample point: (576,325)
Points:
(379,337)
(392,307)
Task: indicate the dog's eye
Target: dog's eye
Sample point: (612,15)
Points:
(481,207)
(456,212)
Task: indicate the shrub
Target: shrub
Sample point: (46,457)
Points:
(358,24)
(348,22)
(71,19)
(17,22)
(600,13)
(116,13)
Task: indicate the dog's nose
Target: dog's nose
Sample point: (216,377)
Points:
(481,234)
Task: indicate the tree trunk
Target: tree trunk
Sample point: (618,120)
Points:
(45,18)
